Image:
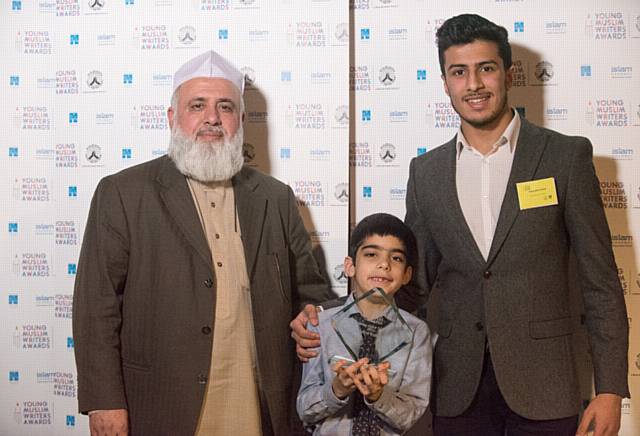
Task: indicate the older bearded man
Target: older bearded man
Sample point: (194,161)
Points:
(180,257)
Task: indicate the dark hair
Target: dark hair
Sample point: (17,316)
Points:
(467,28)
(384,224)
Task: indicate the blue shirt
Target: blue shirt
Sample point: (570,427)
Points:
(403,401)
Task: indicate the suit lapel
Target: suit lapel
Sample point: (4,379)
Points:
(529,150)
(251,205)
(177,198)
(455,214)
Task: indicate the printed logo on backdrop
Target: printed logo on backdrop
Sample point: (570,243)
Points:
(635,28)
(93,156)
(398,34)
(62,8)
(445,116)
(307,34)
(339,275)
(387,155)
(624,284)
(94,81)
(249,78)
(359,78)
(32,337)
(622,153)
(320,78)
(613,194)
(555,27)
(31,189)
(104,118)
(33,118)
(319,236)
(544,74)
(149,117)
(636,121)
(187,37)
(556,114)
(212,5)
(162,79)
(387,78)
(257,116)
(622,240)
(309,193)
(36,42)
(621,72)
(257,34)
(96,7)
(246,4)
(341,117)
(305,116)
(105,39)
(63,382)
(360,155)
(519,74)
(397,193)
(151,37)
(386,4)
(66,155)
(341,34)
(398,116)
(319,154)
(66,82)
(432,27)
(34,412)
(607,113)
(605,26)
(341,193)
(359,4)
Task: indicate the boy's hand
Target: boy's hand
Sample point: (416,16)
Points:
(374,378)
(305,340)
(343,383)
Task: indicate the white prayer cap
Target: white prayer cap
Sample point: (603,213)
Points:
(209,64)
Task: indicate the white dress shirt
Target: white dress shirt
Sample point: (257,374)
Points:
(481,181)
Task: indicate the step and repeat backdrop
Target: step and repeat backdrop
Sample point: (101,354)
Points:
(340,96)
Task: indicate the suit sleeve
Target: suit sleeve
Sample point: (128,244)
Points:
(606,316)
(414,295)
(309,284)
(97,302)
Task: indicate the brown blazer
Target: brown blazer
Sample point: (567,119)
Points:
(144,299)
(518,299)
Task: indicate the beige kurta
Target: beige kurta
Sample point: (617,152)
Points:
(231,405)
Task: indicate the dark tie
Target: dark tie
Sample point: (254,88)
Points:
(365,421)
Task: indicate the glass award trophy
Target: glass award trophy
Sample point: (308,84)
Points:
(393,335)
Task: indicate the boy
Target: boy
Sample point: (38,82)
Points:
(359,398)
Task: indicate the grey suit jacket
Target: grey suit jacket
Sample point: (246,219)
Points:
(518,300)
(145,293)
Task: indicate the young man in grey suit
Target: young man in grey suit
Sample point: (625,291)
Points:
(496,212)
(190,270)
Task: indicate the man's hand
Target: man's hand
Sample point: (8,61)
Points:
(303,337)
(109,422)
(604,412)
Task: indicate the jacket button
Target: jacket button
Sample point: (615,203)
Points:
(208,283)
(206,330)
(479,326)
(202,379)
(487,274)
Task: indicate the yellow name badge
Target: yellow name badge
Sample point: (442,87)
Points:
(537,193)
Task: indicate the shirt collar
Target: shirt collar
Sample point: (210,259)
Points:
(509,136)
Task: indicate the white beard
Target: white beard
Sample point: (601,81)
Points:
(207,162)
